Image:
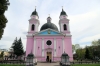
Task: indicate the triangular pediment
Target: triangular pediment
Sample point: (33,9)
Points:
(49,32)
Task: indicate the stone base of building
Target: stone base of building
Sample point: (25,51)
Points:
(54,59)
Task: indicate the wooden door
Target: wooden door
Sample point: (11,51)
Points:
(50,55)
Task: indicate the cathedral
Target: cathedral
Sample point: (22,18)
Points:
(49,43)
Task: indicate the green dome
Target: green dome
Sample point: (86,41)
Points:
(49,25)
(63,13)
(34,12)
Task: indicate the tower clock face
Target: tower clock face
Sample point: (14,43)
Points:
(49,42)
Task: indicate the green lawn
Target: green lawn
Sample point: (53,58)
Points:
(85,65)
(71,65)
(11,65)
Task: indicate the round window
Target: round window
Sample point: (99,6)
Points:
(49,42)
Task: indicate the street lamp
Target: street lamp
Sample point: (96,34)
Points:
(65,60)
(30,60)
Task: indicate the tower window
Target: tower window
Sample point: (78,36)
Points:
(33,27)
(65,27)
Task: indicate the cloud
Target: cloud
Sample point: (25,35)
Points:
(90,38)
(84,19)
(84,25)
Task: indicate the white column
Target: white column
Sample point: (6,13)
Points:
(29,29)
(36,27)
(62,27)
(34,46)
(68,27)
(54,47)
(42,47)
(63,45)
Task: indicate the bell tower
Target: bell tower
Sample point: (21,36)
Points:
(34,22)
(33,28)
(64,22)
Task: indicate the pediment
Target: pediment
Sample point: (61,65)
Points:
(49,32)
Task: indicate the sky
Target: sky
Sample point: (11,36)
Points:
(84,16)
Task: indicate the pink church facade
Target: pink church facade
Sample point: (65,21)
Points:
(49,42)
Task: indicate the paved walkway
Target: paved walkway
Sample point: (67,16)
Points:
(47,64)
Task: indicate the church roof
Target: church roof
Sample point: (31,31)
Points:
(63,13)
(49,25)
(34,12)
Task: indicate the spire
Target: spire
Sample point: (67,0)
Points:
(62,8)
(49,15)
(49,18)
(35,8)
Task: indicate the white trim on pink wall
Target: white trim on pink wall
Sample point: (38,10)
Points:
(54,47)
(68,27)
(42,47)
(34,45)
(63,45)
(29,29)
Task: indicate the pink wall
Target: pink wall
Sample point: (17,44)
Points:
(59,44)
(38,47)
(68,46)
(29,45)
(67,41)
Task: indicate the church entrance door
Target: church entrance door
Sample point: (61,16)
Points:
(49,56)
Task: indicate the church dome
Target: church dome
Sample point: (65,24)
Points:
(34,12)
(63,13)
(49,25)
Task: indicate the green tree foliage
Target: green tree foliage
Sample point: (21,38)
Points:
(18,47)
(87,54)
(73,48)
(77,46)
(90,52)
(80,53)
(3,7)
(94,43)
(2,54)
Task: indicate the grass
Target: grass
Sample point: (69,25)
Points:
(11,65)
(85,65)
(71,65)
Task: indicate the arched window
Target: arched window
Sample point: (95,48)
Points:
(32,28)
(65,27)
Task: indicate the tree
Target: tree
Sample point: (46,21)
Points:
(87,54)
(18,47)
(77,46)
(73,48)
(94,43)
(3,7)
(98,41)
(14,43)
(80,53)
(2,54)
